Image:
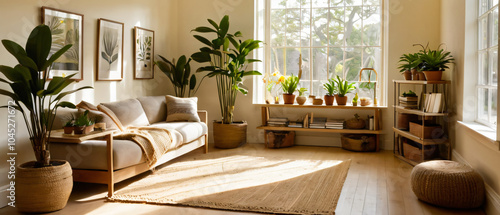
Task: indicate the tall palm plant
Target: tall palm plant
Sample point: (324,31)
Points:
(34,96)
(227,64)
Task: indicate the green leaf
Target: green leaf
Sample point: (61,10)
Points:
(224,26)
(201,57)
(213,23)
(66,105)
(55,56)
(11,74)
(203,40)
(19,53)
(38,45)
(57,84)
(192,82)
(204,30)
(251,73)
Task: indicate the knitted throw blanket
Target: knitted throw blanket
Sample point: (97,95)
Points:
(154,142)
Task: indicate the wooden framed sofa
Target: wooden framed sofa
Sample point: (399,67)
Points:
(109,161)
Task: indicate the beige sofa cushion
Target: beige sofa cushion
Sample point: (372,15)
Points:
(112,116)
(129,112)
(65,114)
(189,130)
(155,108)
(182,109)
(92,154)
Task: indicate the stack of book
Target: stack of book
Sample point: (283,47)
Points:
(277,121)
(408,102)
(318,122)
(433,103)
(295,124)
(335,123)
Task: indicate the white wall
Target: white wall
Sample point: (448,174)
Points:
(19,18)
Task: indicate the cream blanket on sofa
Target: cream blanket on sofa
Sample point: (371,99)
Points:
(154,142)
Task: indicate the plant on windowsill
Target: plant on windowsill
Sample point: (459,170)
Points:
(434,62)
(229,67)
(43,185)
(289,86)
(343,87)
(301,99)
(330,91)
(355,100)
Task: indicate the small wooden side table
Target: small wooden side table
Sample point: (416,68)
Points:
(58,136)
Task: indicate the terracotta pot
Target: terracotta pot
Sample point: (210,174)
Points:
(68,129)
(354,103)
(228,136)
(301,100)
(289,99)
(341,100)
(79,129)
(421,76)
(329,100)
(433,75)
(414,74)
(318,102)
(46,189)
(407,75)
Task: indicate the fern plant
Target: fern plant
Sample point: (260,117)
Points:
(343,86)
(330,87)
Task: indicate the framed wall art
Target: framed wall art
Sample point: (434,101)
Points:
(109,50)
(143,53)
(66,28)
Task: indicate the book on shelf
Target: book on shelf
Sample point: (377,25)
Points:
(295,124)
(434,103)
(277,119)
(335,127)
(408,99)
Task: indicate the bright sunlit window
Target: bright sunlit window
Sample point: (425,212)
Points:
(333,37)
(487,62)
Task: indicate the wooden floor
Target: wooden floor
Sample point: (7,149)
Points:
(377,183)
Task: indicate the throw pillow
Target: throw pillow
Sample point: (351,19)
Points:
(111,115)
(182,109)
(155,108)
(86,105)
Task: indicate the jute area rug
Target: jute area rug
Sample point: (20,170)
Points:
(243,182)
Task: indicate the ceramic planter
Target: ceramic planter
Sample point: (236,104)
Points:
(329,100)
(68,129)
(433,75)
(301,100)
(289,99)
(341,100)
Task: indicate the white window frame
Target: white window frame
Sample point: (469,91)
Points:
(262,8)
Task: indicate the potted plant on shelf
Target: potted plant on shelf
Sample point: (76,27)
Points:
(43,185)
(83,124)
(355,100)
(228,66)
(179,73)
(434,62)
(408,66)
(343,87)
(330,91)
(301,99)
(289,86)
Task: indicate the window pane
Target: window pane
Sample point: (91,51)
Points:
(495,3)
(353,2)
(372,58)
(483,104)
(483,68)
(336,62)
(296,3)
(278,27)
(293,27)
(371,2)
(371,26)
(319,3)
(292,61)
(277,56)
(336,3)
(352,63)
(305,68)
(336,26)
(493,102)
(493,21)
(306,28)
(353,26)
(320,25)
(493,62)
(319,64)
(483,33)
(483,6)
(275,4)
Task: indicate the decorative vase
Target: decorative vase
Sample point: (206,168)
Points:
(68,129)
(229,136)
(45,189)
(414,74)
(329,99)
(288,99)
(433,75)
(407,75)
(421,76)
(301,100)
(341,100)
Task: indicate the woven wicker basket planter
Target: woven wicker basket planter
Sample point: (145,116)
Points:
(448,184)
(45,189)
(229,136)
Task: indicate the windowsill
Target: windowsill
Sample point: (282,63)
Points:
(484,134)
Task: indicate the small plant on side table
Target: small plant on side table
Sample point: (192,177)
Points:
(83,124)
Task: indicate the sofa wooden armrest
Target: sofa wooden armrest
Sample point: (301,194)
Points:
(203,114)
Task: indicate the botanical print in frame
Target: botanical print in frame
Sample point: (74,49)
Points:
(143,53)
(66,28)
(109,50)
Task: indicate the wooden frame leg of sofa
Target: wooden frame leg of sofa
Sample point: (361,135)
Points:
(109,151)
(206,143)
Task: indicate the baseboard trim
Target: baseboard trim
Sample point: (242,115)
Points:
(492,205)
(3,196)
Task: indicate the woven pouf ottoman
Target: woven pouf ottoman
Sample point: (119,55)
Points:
(447,184)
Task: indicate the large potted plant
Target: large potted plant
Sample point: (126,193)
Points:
(43,185)
(408,66)
(228,66)
(434,62)
(289,86)
(330,91)
(343,87)
(179,73)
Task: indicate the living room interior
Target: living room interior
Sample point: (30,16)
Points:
(375,182)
